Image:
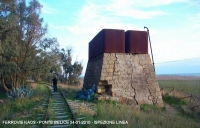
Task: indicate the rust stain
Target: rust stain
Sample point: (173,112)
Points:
(118,41)
(136,42)
(107,41)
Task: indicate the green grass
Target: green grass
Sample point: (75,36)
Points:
(70,92)
(3,96)
(179,105)
(22,109)
(148,108)
(173,101)
(147,117)
(144,116)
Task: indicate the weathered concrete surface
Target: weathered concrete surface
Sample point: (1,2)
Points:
(123,77)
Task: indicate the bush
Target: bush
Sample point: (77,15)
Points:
(20,92)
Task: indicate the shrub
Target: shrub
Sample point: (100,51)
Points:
(20,92)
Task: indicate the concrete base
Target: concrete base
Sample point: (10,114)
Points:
(127,78)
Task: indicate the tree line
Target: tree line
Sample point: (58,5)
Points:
(26,52)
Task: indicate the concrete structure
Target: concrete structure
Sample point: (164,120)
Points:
(124,77)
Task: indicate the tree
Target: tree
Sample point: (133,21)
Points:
(71,71)
(66,61)
(25,51)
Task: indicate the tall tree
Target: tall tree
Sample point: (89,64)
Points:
(23,42)
(71,71)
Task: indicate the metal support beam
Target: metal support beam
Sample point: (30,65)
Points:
(150,48)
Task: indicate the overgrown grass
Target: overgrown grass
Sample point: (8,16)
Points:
(50,111)
(148,108)
(192,86)
(70,91)
(181,107)
(144,118)
(173,101)
(150,115)
(23,108)
(3,96)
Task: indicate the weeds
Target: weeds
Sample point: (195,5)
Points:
(16,109)
(181,107)
(144,117)
(148,108)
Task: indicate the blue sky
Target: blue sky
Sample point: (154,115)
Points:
(174,27)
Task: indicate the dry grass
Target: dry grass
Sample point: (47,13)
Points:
(33,85)
(74,87)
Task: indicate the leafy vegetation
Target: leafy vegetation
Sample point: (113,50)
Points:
(181,107)
(23,108)
(71,71)
(20,92)
(173,101)
(26,52)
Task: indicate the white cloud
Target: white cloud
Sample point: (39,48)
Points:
(144,3)
(148,3)
(176,44)
(130,9)
(93,16)
(139,14)
(194,21)
(58,27)
(195,3)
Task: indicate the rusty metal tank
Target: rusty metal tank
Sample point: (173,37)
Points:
(107,41)
(136,42)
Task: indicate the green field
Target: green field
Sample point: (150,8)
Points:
(192,86)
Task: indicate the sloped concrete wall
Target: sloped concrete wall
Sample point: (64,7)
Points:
(123,77)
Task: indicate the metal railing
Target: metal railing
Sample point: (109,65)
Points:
(192,100)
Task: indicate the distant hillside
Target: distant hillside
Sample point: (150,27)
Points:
(186,76)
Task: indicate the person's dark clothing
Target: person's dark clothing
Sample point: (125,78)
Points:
(54,84)
(55,81)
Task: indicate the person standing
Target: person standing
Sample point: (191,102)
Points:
(55,84)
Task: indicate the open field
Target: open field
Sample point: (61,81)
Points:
(177,77)
(187,83)
(191,86)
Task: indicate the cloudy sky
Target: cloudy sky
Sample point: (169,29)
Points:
(174,27)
